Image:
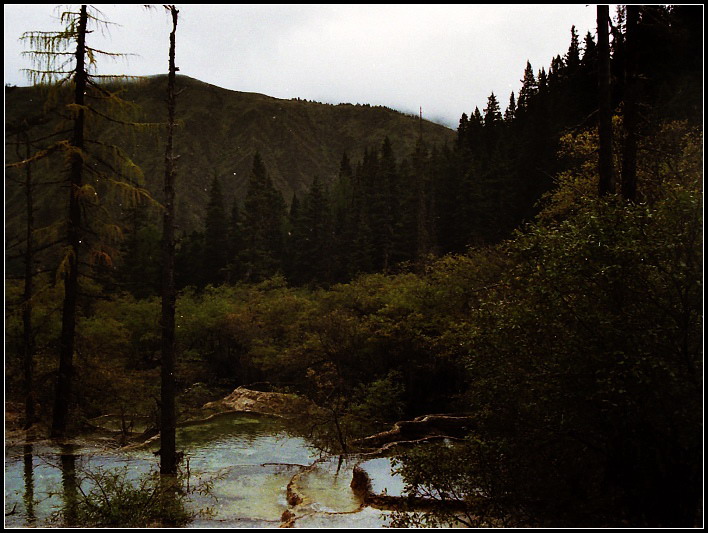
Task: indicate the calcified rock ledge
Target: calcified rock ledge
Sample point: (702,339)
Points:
(403,434)
(421,429)
(243,400)
(301,506)
(266,403)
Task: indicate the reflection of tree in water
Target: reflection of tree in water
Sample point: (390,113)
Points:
(29,484)
(69,484)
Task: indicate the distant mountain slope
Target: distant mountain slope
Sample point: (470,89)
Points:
(220,131)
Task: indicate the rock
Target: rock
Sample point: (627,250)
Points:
(361,483)
(292,497)
(267,403)
(287,519)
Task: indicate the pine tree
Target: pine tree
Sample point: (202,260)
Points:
(362,250)
(235,244)
(590,53)
(572,57)
(63,58)
(528,89)
(71,278)
(385,198)
(189,272)
(477,121)
(462,130)
(311,237)
(492,117)
(264,213)
(424,201)
(343,221)
(216,236)
(510,112)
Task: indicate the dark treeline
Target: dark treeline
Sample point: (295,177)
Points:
(388,208)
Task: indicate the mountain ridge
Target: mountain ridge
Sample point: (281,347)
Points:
(220,131)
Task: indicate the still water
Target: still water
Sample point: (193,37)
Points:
(250,459)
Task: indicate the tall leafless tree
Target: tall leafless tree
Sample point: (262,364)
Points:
(605,167)
(629,149)
(168,418)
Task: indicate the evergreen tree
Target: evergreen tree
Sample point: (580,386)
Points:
(510,112)
(477,121)
(264,212)
(71,278)
(235,244)
(528,88)
(216,246)
(140,269)
(492,113)
(572,57)
(344,214)
(589,53)
(361,257)
(423,206)
(189,272)
(311,237)
(384,203)
(462,129)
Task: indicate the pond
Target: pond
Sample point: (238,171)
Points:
(250,459)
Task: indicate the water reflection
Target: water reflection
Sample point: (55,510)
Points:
(250,460)
(69,483)
(28,497)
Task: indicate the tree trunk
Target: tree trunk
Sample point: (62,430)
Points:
(605,171)
(629,151)
(71,276)
(27,333)
(168,417)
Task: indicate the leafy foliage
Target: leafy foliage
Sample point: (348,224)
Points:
(585,357)
(114,498)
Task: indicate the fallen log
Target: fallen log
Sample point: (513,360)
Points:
(420,429)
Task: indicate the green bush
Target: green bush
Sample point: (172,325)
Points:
(111,498)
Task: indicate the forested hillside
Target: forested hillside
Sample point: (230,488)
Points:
(538,271)
(220,131)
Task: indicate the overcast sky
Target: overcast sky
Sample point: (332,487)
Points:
(446,59)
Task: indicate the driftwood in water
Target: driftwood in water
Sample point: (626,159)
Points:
(420,429)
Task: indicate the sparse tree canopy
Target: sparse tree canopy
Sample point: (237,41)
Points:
(64,63)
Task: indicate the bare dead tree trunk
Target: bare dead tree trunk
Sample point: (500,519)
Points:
(168,416)
(71,276)
(27,333)
(607,179)
(629,150)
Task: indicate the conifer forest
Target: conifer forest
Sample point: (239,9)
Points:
(508,315)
